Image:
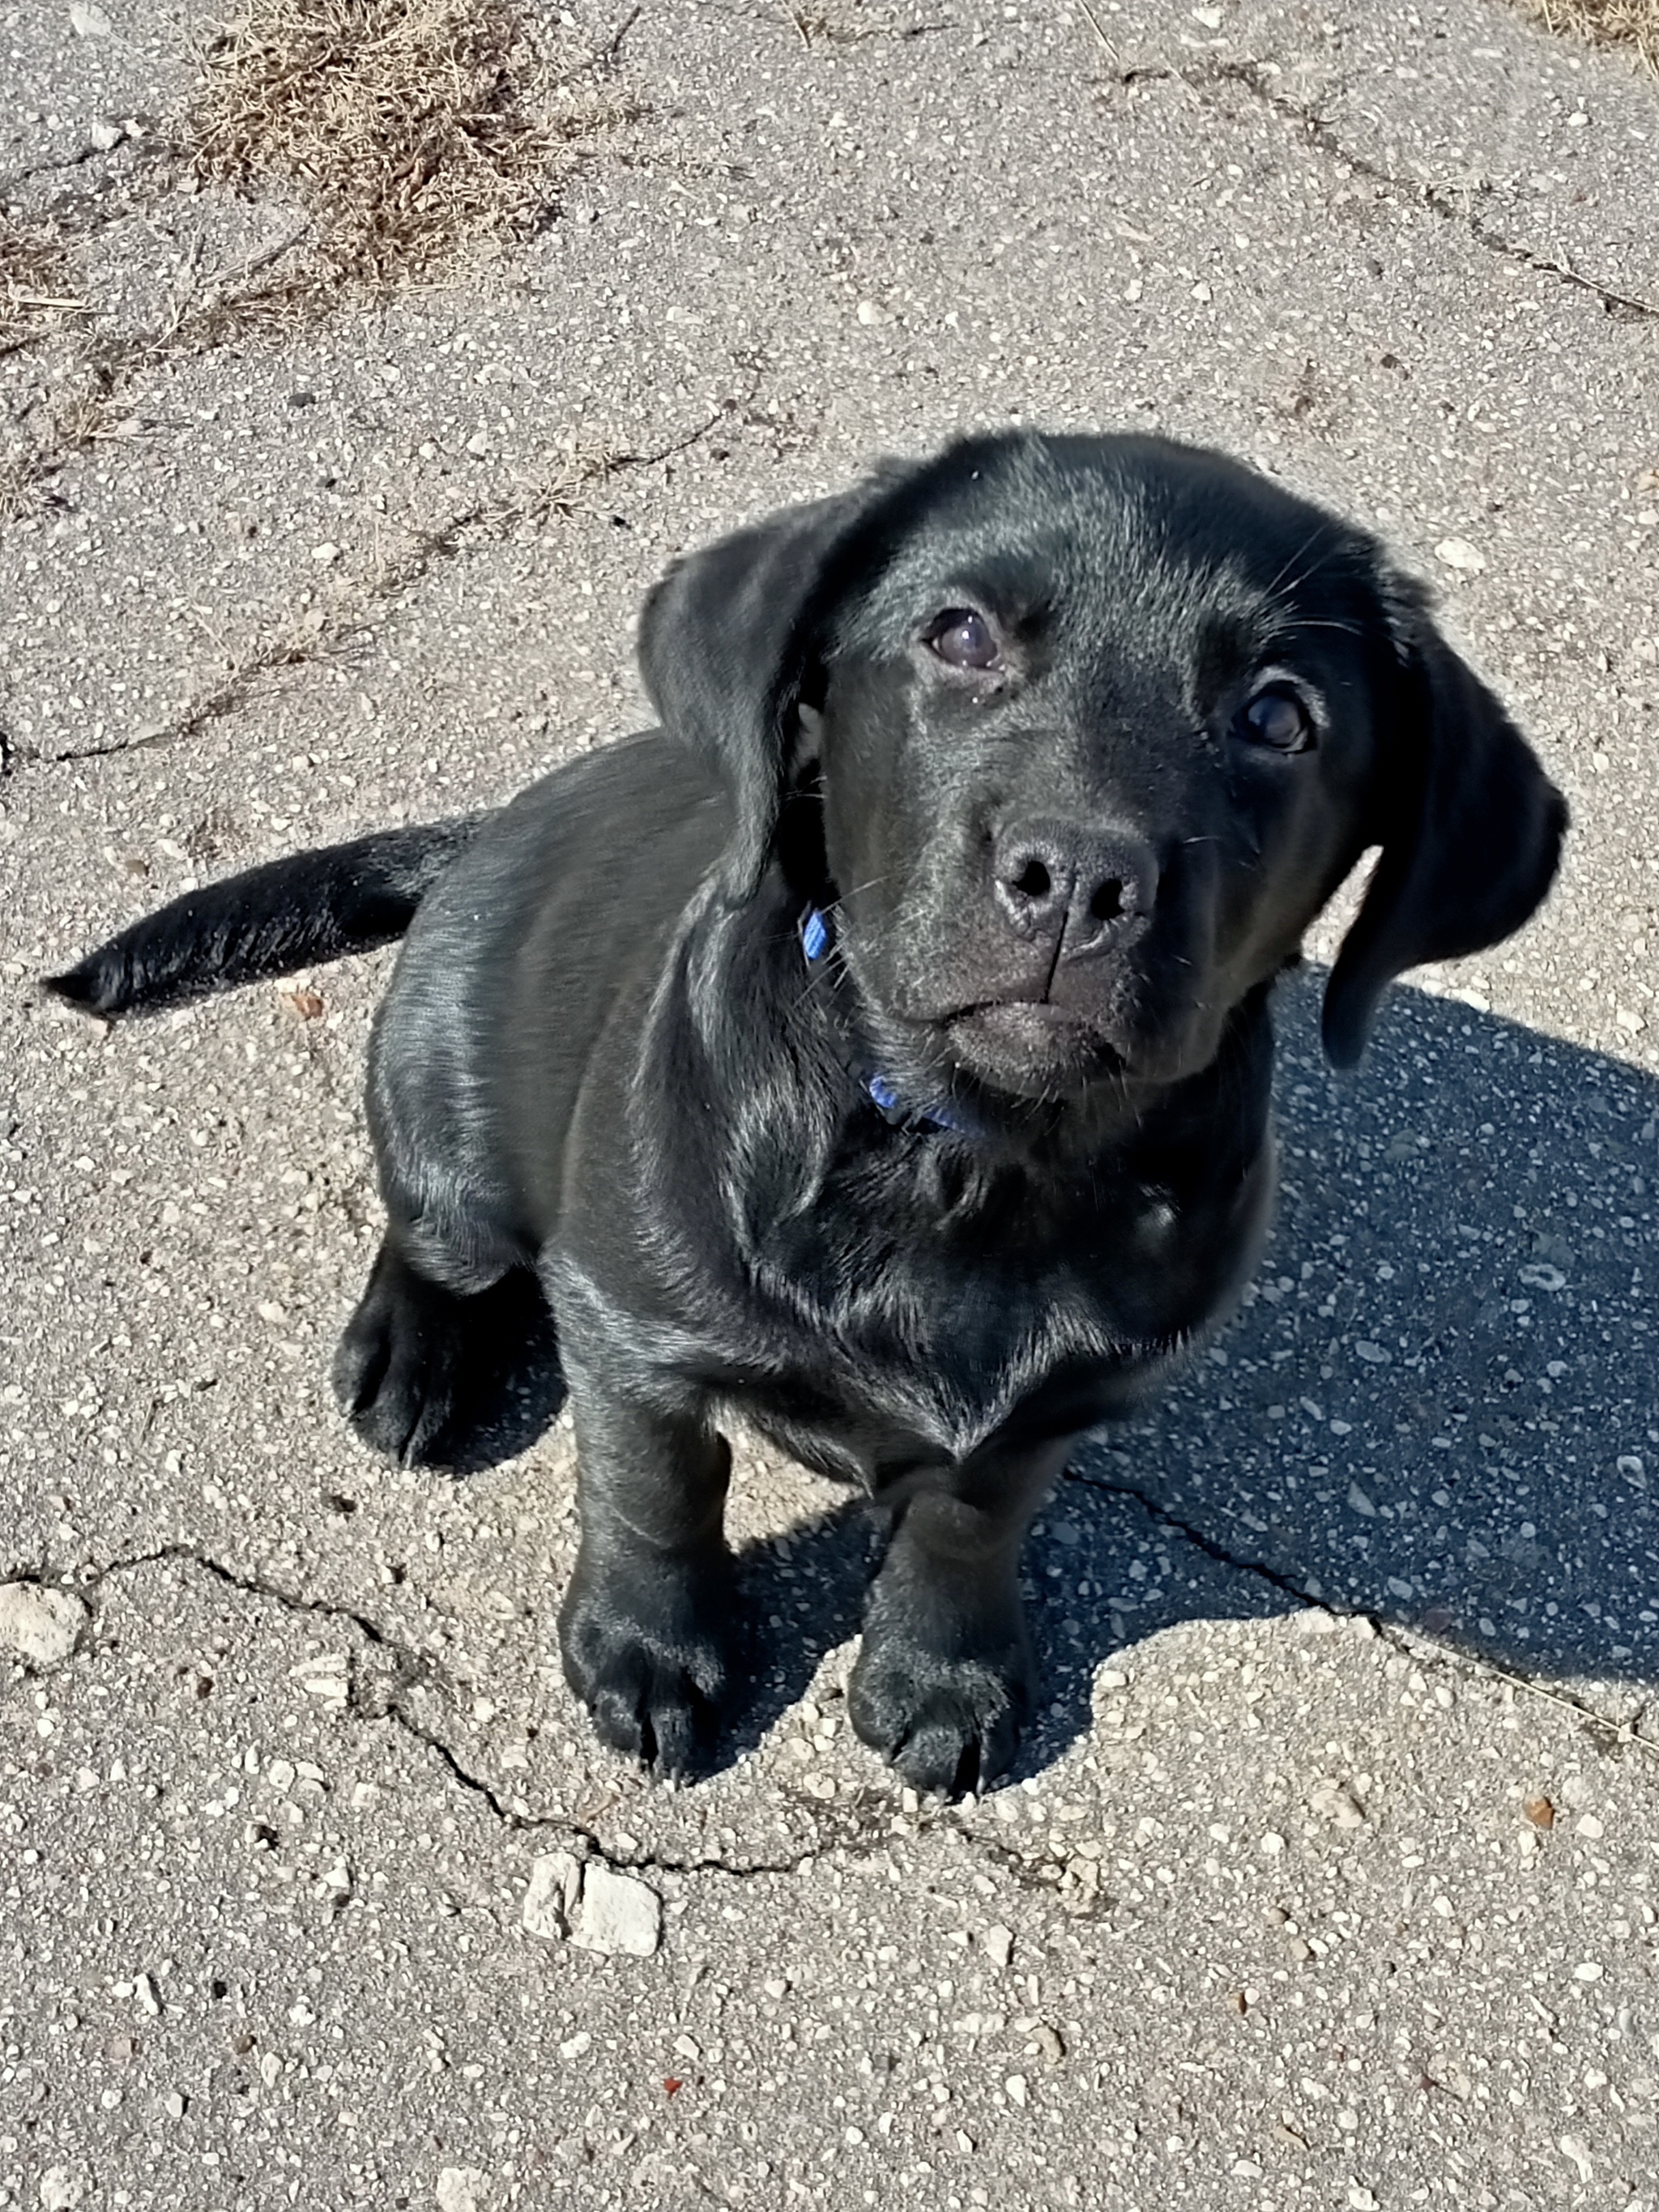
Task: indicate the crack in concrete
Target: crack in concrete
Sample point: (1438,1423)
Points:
(1450,206)
(51,164)
(482,523)
(1411,1644)
(383,1703)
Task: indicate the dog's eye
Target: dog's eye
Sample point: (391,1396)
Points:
(1277,720)
(963,640)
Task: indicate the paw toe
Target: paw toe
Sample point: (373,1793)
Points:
(943,1724)
(655,1713)
(654,1695)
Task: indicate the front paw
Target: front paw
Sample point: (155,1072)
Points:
(418,1365)
(946,1708)
(646,1650)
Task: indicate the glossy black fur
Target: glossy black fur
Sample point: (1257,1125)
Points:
(1058,891)
(286,915)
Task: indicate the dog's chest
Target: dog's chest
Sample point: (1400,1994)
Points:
(892,1333)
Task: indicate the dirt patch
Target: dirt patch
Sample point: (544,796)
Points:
(1633,23)
(404,130)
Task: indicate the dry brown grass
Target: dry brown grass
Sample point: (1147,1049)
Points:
(33,281)
(405,128)
(1603,22)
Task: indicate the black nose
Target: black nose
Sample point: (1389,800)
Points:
(1066,881)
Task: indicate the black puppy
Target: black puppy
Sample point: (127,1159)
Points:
(881,1048)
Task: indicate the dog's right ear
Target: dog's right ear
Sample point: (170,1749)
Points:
(727,640)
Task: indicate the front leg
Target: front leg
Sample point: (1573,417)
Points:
(645,1624)
(944,1681)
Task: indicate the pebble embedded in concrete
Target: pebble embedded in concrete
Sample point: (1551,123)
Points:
(593,1905)
(40,1626)
(618,1914)
(550,1903)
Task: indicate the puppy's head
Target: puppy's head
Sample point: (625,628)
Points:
(1084,732)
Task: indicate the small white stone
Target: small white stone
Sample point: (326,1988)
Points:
(173,2105)
(1589,1970)
(1015,2086)
(463,2189)
(1339,1805)
(105,136)
(1270,1844)
(61,2191)
(88,22)
(324,555)
(870,313)
(998,1945)
(1458,553)
(1576,2149)
(555,1882)
(328,1677)
(619,1915)
(40,1626)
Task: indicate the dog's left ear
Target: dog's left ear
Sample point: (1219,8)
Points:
(1470,826)
(727,640)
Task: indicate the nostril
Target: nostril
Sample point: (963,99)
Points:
(1107,904)
(1034,880)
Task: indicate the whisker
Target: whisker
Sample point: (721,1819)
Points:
(1311,539)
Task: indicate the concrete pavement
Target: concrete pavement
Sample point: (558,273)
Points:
(1329,1877)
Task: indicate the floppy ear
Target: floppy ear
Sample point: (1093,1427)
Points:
(1471,831)
(727,639)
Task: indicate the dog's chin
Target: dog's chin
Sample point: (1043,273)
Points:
(1030,1050)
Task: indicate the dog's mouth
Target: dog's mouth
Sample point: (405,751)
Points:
(1027,1043)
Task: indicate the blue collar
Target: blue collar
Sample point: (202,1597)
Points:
(877,1088)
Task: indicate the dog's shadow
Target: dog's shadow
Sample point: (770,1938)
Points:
(1438,1406)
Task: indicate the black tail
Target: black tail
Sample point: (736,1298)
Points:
(286,915)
